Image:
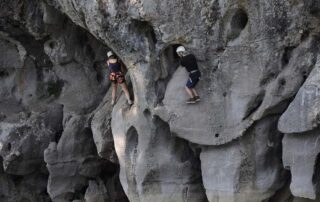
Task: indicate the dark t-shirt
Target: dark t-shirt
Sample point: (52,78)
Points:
(189,62)
(115,67)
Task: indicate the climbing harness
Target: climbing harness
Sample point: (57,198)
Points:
(117,77)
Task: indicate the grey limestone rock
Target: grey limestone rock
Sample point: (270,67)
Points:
(7,186)
(101,130)
(76,96)
(258,61)
(20,156)
(96,192)
(300,121)
(246,170)
(72,160)
(254,57)
(303,113)
(301,156)
(168,171)
(74,165)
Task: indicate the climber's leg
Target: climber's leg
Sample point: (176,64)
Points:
(114,93)
(191,91)
(196,96)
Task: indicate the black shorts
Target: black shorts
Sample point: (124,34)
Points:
(193,80)
(192,83)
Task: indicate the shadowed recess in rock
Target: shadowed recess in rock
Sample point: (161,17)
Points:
(144,33)
(176,166)
(131,158)
(316,175)
(286,55)
(238,22)
(169,61)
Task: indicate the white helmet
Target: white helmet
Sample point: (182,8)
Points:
(180,49)
(109,53)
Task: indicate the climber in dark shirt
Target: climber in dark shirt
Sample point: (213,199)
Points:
(116,76)
(189,61)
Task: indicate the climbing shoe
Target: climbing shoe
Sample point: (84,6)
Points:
(197,98)
(191,101)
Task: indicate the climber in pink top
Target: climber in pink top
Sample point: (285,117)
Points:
(116,76)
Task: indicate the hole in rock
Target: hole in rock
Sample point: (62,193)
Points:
(9,146)
(287,55)
(1,167)
(316,174)
(217,135)
(4,73)
(52,44)
(57,136)
(179,146)
(304,75)
(220,49)
(282,82)
(283,194)
(304,35)
(169,61)
(85,135)
(131,152)
(281,85)
(178,149)
(147,113)
(238,22)
(79,193)
(132,144)
(153,36)
(54,88)
(144,28)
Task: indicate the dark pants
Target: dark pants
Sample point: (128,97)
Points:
(194,78)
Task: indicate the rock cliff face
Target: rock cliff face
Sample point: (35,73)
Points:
(252,138)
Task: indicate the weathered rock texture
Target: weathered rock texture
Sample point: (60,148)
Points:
(52,85)
(257,122)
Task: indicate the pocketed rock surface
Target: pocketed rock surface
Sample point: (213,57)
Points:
(253,137)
